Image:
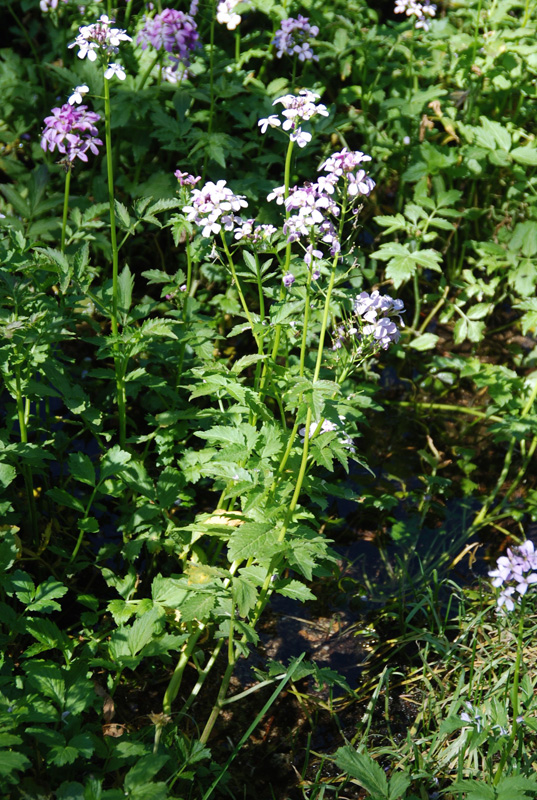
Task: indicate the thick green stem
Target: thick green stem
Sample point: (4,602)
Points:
(26,470)
(147,73)
(118,358)
(177,677)
(65,206)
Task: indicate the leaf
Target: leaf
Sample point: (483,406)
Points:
(169,484)
(524,155)
(294,589)
(244,594)
(144,629)
(168,591)
(363,769)
(122,215)
(258,540)
(113,462)
(45,595)
(7,475)
(143,771)
(81,468)
(12,762)
(63,498)
(427,341)
(399,783)
(125,284)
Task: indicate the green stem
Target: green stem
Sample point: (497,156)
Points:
(175,682)
(515,705)
(473,412)
(434,311)
(120,384)
(241,295)
(65,206)
(148,71)
(26,470)
(211,88)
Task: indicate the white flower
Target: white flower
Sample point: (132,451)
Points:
(272,120)
(226,15)
(78,93)
(115,69)
(300,137)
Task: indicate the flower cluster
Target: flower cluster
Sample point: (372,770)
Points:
(212,207)
(226,14)
(255,234)
(72,130)
(420,10)
(326,427)
(312,208)
(308,207)
(185,179)
(101,38)
(297,108)
(172,31)
(344,163)
(372,326)
(293,38)
(518,567)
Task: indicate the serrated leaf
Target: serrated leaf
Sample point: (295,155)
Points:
(46,594)
(121,611)
(125,284)
(290,587)
(398,784)
(122,215)
(258,540)
(144,629)
(113,462)
(169,484)
(363,769)
(244,594)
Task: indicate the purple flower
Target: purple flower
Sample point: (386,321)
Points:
(212,207)
(172,31)
(185,179)
(378,311)
(292,38)
(518,567)
(72,130)
(288,280)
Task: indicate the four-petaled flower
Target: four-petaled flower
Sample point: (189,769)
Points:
(115,69)
(78,94)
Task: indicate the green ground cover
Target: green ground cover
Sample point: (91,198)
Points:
(267,305)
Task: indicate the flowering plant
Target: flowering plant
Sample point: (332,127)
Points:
(515,572)
(293,38)
(72,130)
